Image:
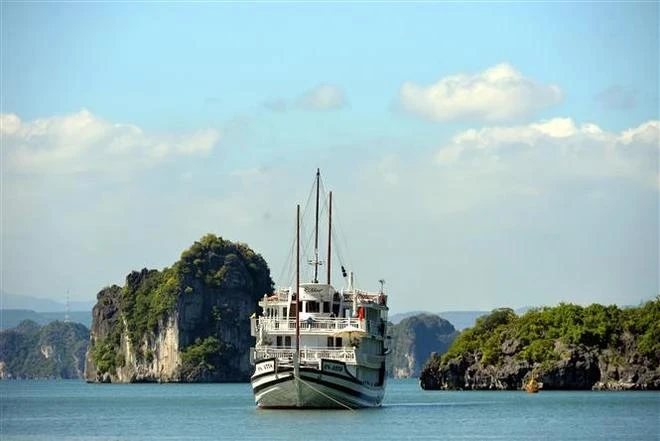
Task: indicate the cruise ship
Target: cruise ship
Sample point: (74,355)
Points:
(318,346)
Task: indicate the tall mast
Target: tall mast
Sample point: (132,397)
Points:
(298,282)
(329,232)
(316,230)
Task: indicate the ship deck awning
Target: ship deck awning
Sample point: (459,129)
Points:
(348,331)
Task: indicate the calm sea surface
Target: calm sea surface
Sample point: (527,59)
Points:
(73,410)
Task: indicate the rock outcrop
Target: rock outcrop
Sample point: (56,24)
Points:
(565,348)
(186,323)
(414,339)
(31,351)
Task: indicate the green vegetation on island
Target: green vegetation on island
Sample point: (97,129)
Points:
(566,346)
(147,300)
(55,350)
(187,322)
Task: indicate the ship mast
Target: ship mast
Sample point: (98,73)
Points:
(329,232)
(296,355)
(297,285)
(316,230)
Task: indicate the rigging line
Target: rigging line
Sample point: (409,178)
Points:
(288,271)
(346,406)
(290,267)
(308,204)
(307,246)
(304,244)
(324,194)
(340,239)
(336,249)
(287,265)
(337,244)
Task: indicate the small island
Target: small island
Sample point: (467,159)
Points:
(566,347)
(185,323)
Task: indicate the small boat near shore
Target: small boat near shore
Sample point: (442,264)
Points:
(317,346)
(532,386)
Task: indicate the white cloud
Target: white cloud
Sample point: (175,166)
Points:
(646,133)
(499,93)
(82,142)
(556,148)
(323,97)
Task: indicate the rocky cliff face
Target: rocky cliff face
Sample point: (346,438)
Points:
(186,323)
(579,368)
(610,350)
(118,360)
(414,339)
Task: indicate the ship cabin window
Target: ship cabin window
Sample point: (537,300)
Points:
(326,307)
(312,306)
(287,341)
(334,342)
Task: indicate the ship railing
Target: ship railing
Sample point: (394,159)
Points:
(371,297)
(309,326)
(281,295)
(307,354)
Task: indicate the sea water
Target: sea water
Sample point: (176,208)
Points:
(74,410)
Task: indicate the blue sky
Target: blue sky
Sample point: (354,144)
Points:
(434,119)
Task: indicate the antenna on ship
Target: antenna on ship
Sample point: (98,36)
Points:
(66,308)
(382,283)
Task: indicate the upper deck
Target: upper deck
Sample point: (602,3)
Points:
(314,292)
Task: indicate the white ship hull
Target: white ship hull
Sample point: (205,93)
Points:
(313,389)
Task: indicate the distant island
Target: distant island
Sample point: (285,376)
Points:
(31,351)
(563,347)
(16,308)
(414,339)
(10,318)
(459,319)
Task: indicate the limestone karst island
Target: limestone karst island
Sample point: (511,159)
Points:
(190,322)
